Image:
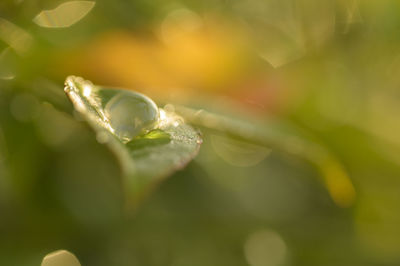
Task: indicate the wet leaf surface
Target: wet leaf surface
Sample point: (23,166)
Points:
(146,154)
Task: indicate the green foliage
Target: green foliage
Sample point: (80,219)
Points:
(297,103)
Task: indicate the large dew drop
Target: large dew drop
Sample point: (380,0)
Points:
(125,114)
(131,114)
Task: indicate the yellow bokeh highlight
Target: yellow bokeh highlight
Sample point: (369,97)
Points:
(338,183)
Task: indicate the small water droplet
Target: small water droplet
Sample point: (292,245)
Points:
(131,114)
(125,114)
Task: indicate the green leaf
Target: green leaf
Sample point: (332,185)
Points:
(150,142)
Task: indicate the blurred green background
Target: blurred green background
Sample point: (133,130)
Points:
(325,71)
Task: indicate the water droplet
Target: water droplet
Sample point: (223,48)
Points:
(123,113)
(131,114)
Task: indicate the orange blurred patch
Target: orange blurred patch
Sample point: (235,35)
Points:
(188,58)
(180,62)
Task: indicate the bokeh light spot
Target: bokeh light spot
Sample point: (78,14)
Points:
(60,258)
(265,248)
(65,15)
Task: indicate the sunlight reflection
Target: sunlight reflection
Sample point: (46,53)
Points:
(87,90)
(167,117)
(77,86)
(64,15)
